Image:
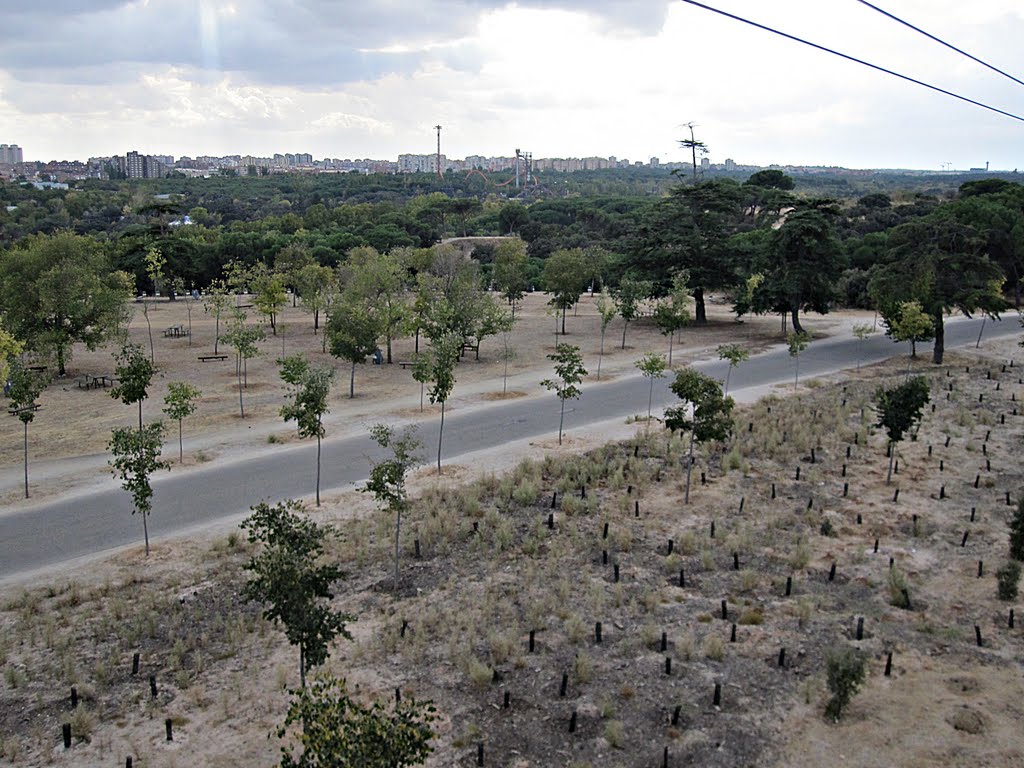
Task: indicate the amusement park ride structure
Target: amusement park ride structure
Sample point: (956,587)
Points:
(525,157)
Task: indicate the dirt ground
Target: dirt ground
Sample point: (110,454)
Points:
(68,438)
(800,488)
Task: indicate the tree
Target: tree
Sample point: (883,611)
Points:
(179,289)
(653,366)
(290,579)
(269,294)
(672,313)
(705,412)
(804,260)
(606,310)
(136,457)
(511,270)
(491,320)
(845,670)
(307,409)
(352,332)
(627,298)
(10,348)
(378,281)
(387,477)
(179,403)
(1017,532)
(134,374)
(438,367)
(316,286)
(217,301)
(939,263)
(908,322)
(56,290)
(861,331)
(694,146)
(770,179)
(899,408)
(155,263)
(565,277)
(24,389)
(797,343)
(339,732)
(569,372)
(735,354)
(243,339)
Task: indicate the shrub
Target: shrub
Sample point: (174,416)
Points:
(898,593)
(614,732)
(1017,532)
(845,668)
(1007,579)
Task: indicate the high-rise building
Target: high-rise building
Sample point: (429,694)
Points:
(730,164)
(135,165)
(10,153)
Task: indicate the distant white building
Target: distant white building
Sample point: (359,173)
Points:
(10,154)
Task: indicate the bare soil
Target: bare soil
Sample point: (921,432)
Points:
(493,569)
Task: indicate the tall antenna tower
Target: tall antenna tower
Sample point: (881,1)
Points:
(440,172)
(517,169)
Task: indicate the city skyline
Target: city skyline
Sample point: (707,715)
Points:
(558,79)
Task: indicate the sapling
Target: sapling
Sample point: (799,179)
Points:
(606,310)
(1007,580)
(845,670)
(797,343)
(706,412)
(569,372)
(899,408)
(179,402)
(735,354)
(24,388)
(652,366)
(861,332)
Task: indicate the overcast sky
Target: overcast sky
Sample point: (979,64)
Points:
(564,78)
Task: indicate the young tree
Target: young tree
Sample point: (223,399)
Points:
(291,580)
(797,342)
(293,370)
(706,412)
(438,367)
(352,330)
(338,732)
(155,263)
(10,348)
(269,294)
(180,290)
(25,388)
(179,403)
(569,372)
(606,310)
(735,354)
(652,365)
(845,670)
(308,407)
(491,320)
(672,313)
(565,277)
(56,290)
(134,374)
(511,270)
(136,457)
(861,332)
(1017,532)
(908,322)
(627,299)
(899,408)
(216,301)
(316,286)
(387,477)
(243,339)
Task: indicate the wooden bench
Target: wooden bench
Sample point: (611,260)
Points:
(37,368)
(205,358)
(17,411)
(406,363)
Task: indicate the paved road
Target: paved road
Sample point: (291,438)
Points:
(70,528)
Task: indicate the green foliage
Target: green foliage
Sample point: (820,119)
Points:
(899,407)
(735,354)
(180,403)
(24,391)
(269,294)
(339,732)
(565,277)
(1017,532)
(155,263)
(377,282)
(136,456)
(652,366)
(1008,579)
(628,297)
(288,577)
(846,669)
(10,348)
(797,342)
(511,269)
(134,372)
(308,403)
(908,322)
(58,290)
(569,372)
(712,411)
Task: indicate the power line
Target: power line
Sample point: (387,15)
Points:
(940,41)
(854,59)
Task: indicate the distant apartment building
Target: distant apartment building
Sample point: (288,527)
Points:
(10,154)
(655,162)
(730,164)
(139,166)
(420,163)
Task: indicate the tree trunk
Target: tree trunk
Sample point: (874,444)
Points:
(181,449)
(398,533)
(216,332)
(417,341)
(188,308)
(352,382)
(60,361)
(318,468)
(25,423)
(728,374)
(273,323)
(650,399)
(149,328)
(563,319)
(981,331)
(700,312)
(302,665)
(561,419)
(689,463)
(671,338)
(940,338)
(389,348)
(795,312)
(625,326)
(440,435)
(601,355)
(892,454)
(316,321)
(145,531)
(241,407)
(796,373)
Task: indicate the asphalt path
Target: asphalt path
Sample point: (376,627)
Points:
(66,529)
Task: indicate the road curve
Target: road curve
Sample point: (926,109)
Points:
(70,528)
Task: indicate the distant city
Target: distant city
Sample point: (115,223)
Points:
(135,165)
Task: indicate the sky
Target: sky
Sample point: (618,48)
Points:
(563,78)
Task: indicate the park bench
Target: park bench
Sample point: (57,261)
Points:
(16,411)
(205,358)
(37,368)
(406,363)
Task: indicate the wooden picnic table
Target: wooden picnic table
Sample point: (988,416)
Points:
(175,331)
(89,381)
